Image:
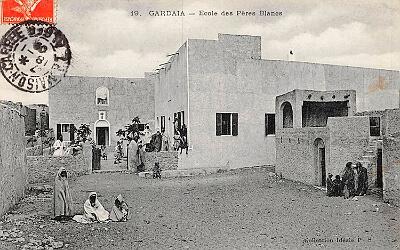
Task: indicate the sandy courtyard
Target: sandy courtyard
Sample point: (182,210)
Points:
(242,209)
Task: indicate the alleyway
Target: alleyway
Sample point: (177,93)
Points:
(237,209)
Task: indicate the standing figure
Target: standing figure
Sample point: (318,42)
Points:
(62,202)
(120,210)
(362,179)
(329,185)
(164,141)
(156,171)
(59,147)
(183,133)
(348,181)
(337,186)
(157,141)
(117,153)
(133,155)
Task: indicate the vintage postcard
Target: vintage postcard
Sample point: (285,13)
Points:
(187,124)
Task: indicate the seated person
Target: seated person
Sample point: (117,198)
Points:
(337,186)
(120,210)
(156,171)
(94,211)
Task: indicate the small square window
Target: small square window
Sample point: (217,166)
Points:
(102,115)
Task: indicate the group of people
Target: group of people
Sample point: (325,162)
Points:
(354,182)
(180,138)
(93,209)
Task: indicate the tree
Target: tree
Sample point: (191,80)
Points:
(129,129)
(83,132)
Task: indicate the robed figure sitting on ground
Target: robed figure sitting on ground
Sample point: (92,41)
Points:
(120,210)
(62,202)
(94,211)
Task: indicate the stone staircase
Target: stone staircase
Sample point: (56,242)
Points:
(369,161)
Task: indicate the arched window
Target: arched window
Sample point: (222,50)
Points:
(102,96)
(287,112)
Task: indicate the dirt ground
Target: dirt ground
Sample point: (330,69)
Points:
(241,209)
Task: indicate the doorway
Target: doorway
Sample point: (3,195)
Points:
(102,136)
(320,163)
(379,177)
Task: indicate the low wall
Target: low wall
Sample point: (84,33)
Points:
(168,160)
(37,150)
(13,176)
(42,169)
(391,170)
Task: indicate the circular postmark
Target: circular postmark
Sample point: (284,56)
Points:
(33,55)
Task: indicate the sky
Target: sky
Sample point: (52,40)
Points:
(106,40)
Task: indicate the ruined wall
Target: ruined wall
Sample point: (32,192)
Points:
(13,174)
(391,170)
(43,169)
(296,153)
(349,136)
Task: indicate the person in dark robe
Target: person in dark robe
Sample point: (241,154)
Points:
(348,181)
(183,138)
(156,171)
(157,141)
(329,185)
(362,179)
(337,186)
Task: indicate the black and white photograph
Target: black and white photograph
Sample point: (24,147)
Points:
(188,124)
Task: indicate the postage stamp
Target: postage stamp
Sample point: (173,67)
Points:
(33,54)
(16,11)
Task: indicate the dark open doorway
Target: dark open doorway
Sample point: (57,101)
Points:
(320,165)
(102,136)
(379,177)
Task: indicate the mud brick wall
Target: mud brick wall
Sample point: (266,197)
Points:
(37,150)
(349,136)
(391,170)
(13,177)
(168,160)
(42,169)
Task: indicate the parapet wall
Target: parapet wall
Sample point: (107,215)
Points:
(13,176)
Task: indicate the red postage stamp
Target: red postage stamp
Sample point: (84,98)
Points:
(16,11)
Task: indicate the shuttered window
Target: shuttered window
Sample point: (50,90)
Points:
(227,124)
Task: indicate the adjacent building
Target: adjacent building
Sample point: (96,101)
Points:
(225,94)
(107,104)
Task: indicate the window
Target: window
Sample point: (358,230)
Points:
(102,115)
(162,123)
(102,96)
(375,126)
(65,128)
(287,117)
(227,124)
(269,124)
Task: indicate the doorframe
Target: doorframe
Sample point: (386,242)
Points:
(319,179)
(109,130)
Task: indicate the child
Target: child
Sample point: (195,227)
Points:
(337,186)
(156,171)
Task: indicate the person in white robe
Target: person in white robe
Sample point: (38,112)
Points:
(94,211)
(58,147)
